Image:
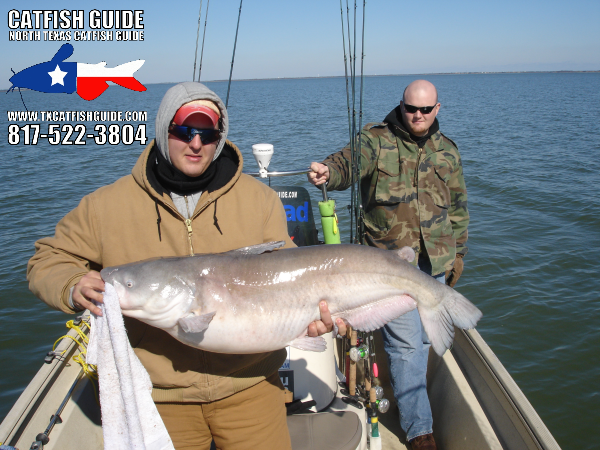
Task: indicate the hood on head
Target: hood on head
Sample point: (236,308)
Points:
(174,98)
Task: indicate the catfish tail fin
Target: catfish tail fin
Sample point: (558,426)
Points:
(454,311)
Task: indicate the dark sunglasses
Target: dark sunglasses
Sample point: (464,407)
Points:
(424,109)
(187,134)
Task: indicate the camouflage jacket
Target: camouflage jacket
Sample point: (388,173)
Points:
(425,209)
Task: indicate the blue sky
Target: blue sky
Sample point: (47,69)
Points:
(304,39)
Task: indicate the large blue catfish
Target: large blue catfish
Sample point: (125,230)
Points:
(255,299)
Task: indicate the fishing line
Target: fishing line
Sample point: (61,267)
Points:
(203,36)
(197,35)
(233,56)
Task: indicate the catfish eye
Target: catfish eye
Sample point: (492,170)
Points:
(129,283)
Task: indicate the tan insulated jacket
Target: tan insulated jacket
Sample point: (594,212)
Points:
(119,224)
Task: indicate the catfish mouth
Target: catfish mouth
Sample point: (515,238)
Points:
(124,302)
(121,295)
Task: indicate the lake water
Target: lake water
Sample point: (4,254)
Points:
(528,144)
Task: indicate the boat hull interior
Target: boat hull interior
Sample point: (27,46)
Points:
(476,405)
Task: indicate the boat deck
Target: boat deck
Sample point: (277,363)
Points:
(392,436)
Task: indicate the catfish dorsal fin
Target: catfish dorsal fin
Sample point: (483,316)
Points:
(63,53)
(406,253)
(260,248)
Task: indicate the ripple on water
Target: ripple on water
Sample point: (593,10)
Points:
(535,217)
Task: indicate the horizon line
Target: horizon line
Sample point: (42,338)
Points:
(392,75)
(375,75)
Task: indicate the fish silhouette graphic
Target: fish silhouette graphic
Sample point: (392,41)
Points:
(89,80)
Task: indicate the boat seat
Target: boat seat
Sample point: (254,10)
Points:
(339,430)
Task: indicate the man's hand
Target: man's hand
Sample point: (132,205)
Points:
(319,174)
(325,325)
(453,275)
(90,287)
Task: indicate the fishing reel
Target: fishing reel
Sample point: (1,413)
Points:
(382,404)
(359,353)
(359,350)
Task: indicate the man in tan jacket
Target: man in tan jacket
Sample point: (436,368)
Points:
(185,195)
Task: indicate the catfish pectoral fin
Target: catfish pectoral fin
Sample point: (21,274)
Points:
(311,344)
(196,324)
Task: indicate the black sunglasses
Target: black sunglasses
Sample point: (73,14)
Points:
(424,109)
(187,134)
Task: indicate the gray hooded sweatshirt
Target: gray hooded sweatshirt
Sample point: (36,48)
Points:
(174,98)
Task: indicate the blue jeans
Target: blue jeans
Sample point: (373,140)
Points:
(407,347)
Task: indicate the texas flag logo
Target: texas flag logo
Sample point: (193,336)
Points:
(89,80)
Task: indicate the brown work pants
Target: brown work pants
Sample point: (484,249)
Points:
(254,418)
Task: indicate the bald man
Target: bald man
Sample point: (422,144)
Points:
(414,195)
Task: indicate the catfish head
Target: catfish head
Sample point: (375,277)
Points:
(149,293)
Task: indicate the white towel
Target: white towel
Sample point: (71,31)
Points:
(130,419)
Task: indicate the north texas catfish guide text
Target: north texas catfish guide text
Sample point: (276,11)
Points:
(254,299)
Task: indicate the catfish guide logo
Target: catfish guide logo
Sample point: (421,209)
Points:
(89,80)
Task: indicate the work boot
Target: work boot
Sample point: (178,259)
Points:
(424,442)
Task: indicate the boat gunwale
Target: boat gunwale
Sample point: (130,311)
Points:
(499,382)
(17,419)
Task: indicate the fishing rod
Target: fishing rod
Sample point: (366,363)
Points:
(357,346)
(43,438)
(356,155)
(197,34)
(347,104)
(359,219)
(233,56)
(347,64)
(203,37)
(352,126)
(345,69)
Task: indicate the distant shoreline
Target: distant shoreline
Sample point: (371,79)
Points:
(402,75)
(368,76)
